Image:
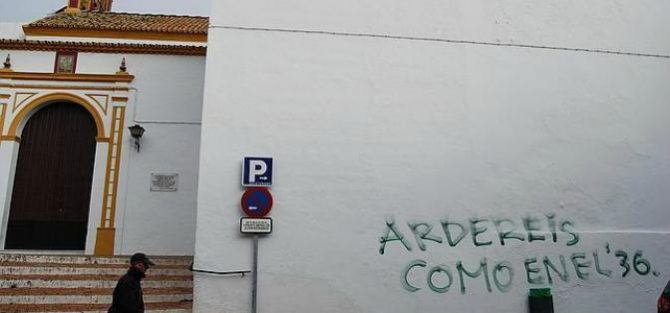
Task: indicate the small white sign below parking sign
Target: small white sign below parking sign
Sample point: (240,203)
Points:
(256,225)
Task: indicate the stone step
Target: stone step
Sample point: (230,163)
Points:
(161,307)
(87,291)
(27,269)
(151,277)
(20,282)
(85,265)
(78,283)
(41,298)
(88,259)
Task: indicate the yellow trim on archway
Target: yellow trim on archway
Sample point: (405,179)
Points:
(104,243)
(42,100)
(3,110)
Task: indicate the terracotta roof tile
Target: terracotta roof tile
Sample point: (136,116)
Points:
(131,22)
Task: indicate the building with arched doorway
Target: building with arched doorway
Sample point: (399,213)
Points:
(433,156)
(72,177)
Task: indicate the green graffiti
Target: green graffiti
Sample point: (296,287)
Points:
(580,265)
(530,229)
(641,265)
(482,270)
(422,232)
(549,265)
(551,219)
(446,227)
(507,234)
(439,269)
(441,278)
(599,269)
(639,260)
(478,230)
(510,276)
(623,261)
(575,236)
(397,236)
(532,270)
(405,272)
(531,226)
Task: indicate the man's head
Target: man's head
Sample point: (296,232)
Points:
(141,262)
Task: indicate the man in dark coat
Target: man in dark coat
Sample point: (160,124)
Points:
(128,292)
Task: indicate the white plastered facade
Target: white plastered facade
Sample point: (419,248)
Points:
(406,113)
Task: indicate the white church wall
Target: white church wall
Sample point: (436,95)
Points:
(368,132)
(596,24)
(161,222)
(97,191)
(167,102)
(30,61)
(168,88)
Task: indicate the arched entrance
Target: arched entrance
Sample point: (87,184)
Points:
(52,186)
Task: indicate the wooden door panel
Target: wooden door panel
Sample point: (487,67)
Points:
(52,185)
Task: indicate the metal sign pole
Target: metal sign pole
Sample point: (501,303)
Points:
(254,288)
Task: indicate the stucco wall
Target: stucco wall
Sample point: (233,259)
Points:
(416,130)
(166,99)
(168,104)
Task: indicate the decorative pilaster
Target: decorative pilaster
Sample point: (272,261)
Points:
(104,244)
(3,113)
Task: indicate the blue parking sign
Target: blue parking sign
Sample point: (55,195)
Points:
(257,171)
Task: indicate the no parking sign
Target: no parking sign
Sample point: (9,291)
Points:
(256,202)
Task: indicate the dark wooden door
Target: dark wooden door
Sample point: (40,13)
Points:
(52,185)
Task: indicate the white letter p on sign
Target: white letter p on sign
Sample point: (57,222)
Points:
(256,168)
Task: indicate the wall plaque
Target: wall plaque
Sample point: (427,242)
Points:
(168,182)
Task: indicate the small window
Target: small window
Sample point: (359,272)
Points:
(66,62)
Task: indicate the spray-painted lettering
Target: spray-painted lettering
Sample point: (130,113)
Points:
(499,276)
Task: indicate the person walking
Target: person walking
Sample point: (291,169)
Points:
(127,296)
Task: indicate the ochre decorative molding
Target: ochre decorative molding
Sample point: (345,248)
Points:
(11,138)
(104,78)
(41,100)
(21,98)
(104,241)
(120,99)
(53,87)
(104,244)
(3,112)
(100,47)
(95,33)
(5,96)
(101,100)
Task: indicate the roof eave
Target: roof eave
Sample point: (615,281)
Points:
(116,34)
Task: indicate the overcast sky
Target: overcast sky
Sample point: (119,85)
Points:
(29,10)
